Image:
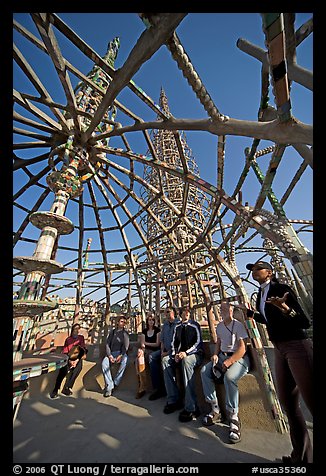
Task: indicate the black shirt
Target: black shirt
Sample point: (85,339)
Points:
(281,326)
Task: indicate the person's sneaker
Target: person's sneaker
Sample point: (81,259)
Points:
(172,407)
(186,416)
(157,394)
(66,391)
(54,394)
(107,393)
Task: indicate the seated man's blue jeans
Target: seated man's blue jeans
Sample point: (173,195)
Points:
(231,377)
(187,365)
(106,369)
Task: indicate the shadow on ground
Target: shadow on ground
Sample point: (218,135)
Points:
(88,428)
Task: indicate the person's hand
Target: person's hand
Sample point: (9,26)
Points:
(279,302)
(140,352)
(214,359)
(73,363)
(248,309)
(111,359)
(177,358)
(118,359)
(182,355)
(226,364)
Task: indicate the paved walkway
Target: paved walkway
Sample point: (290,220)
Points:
(88,428)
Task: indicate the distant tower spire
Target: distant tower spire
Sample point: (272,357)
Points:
(196,212)
(163,102)
(112,51)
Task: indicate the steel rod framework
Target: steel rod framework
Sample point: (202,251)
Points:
(161,234)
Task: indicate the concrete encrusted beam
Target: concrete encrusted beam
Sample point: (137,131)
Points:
(188,70)
(44,27)
(148,43)
(185,65)
(293,132)
(295,72)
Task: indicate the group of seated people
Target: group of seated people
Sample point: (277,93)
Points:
(179,344)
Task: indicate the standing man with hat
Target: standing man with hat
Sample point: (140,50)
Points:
(278,308)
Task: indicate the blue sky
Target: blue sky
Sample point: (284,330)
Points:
(231,77)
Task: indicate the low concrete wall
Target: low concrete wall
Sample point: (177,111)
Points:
(252,411)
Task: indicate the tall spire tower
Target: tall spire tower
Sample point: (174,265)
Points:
(172,148)
(78,165)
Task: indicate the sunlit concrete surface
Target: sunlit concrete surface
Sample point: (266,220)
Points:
(88,428)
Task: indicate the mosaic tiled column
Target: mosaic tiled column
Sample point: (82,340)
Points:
(80,280)
(78,166)
(64,184)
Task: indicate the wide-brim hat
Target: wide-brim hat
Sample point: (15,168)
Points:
(259,265)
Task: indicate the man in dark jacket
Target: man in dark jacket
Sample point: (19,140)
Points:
(187,352)
(278,308)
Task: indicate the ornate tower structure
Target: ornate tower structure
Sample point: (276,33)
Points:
(79,165)
(173,149)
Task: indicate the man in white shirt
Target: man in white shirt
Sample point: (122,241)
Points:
(229,358)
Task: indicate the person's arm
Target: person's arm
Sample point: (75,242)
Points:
(141,341)
(162,339)
(164,352)
(256,315)
(154,344)
(124,347)
(126,342)
(108,346)
(198,339)
(289,305)
(174,342)
(82,344)
(66,346)
(238,354)
(216,350)
(158,339)
(74,355)
(194,348)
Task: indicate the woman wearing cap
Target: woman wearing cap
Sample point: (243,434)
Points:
(229,355)
(278,308)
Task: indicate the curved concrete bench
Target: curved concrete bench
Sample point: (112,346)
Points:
(253,414)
